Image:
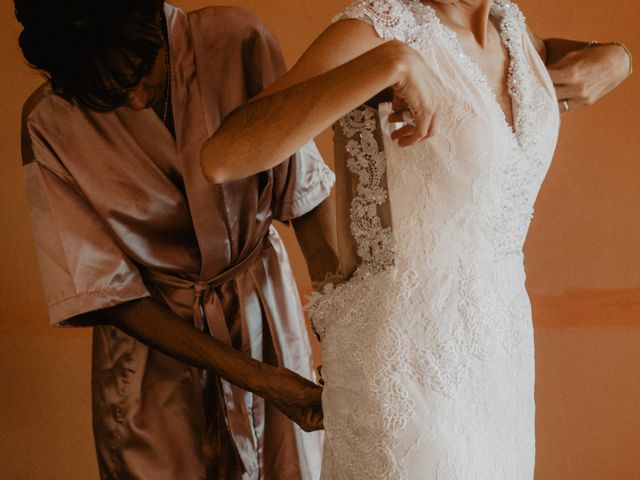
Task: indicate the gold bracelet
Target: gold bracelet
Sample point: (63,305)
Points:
(593,43)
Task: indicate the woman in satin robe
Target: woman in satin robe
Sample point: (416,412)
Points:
(132,238)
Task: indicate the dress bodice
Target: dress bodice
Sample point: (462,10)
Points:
(468,192)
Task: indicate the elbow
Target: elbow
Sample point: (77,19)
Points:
(98,318)
(213,162)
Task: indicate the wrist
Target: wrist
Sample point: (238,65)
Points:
(396,58)
(625,55)
(241,370)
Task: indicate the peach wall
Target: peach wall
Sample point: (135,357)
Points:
(587,225)
(584,237)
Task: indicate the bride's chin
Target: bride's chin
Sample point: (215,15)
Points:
(451,2)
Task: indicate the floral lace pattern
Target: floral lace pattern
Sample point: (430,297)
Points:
(389,19)
(374,242)
(368,163)
(428,348)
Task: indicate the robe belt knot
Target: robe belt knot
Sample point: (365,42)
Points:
(207,310)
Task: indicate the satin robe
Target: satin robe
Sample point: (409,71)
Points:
(121,211)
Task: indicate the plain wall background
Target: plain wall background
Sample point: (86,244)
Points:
(582,261)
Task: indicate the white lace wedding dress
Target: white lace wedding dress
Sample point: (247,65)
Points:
(428,354)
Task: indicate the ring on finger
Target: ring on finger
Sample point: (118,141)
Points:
(565,105)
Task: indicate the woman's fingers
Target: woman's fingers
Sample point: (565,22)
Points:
(415,128)
(410,134)
(424,128)
(397,117)
(584,76)
(320,379)
(310,416)
(416,99)
(566,71)
(311,420)
(298,398)
(404,131)
(316,419)
(572,97)
(575,91)
(571,104)
(564,106)
(567,75)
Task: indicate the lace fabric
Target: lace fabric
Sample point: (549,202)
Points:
(428,347)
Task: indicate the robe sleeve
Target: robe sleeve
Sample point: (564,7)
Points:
(304,181)
(301,184)
(82,267)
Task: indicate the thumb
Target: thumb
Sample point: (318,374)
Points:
(565,61)
(562,71)
(561,74)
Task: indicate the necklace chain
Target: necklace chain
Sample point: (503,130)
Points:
(167,87)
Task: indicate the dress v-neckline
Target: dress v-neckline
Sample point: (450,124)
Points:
(476,74)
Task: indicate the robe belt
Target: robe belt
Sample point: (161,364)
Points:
(207,308)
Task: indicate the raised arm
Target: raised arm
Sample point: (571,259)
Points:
(583,72)
(346,66)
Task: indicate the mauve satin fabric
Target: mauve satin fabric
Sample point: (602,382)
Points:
(122,211)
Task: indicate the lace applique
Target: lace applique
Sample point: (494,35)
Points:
(390,19)
(367,162)
(374,242)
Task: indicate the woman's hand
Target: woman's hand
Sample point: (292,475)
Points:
(296,397)
(582,77)
(416,97)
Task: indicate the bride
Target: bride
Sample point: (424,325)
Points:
(426,324)
(428,347)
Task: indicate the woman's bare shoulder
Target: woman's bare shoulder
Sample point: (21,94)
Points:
(340,43)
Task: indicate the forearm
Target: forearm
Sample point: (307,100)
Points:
(156,325)
(262,133)
(316,234)
(616,57)
(557,48)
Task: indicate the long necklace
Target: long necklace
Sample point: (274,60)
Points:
(167,86)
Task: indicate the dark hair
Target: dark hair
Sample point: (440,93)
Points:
(93,51)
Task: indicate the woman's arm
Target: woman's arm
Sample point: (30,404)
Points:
(346,66)
(158,327)
(316,235)
(583,74)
